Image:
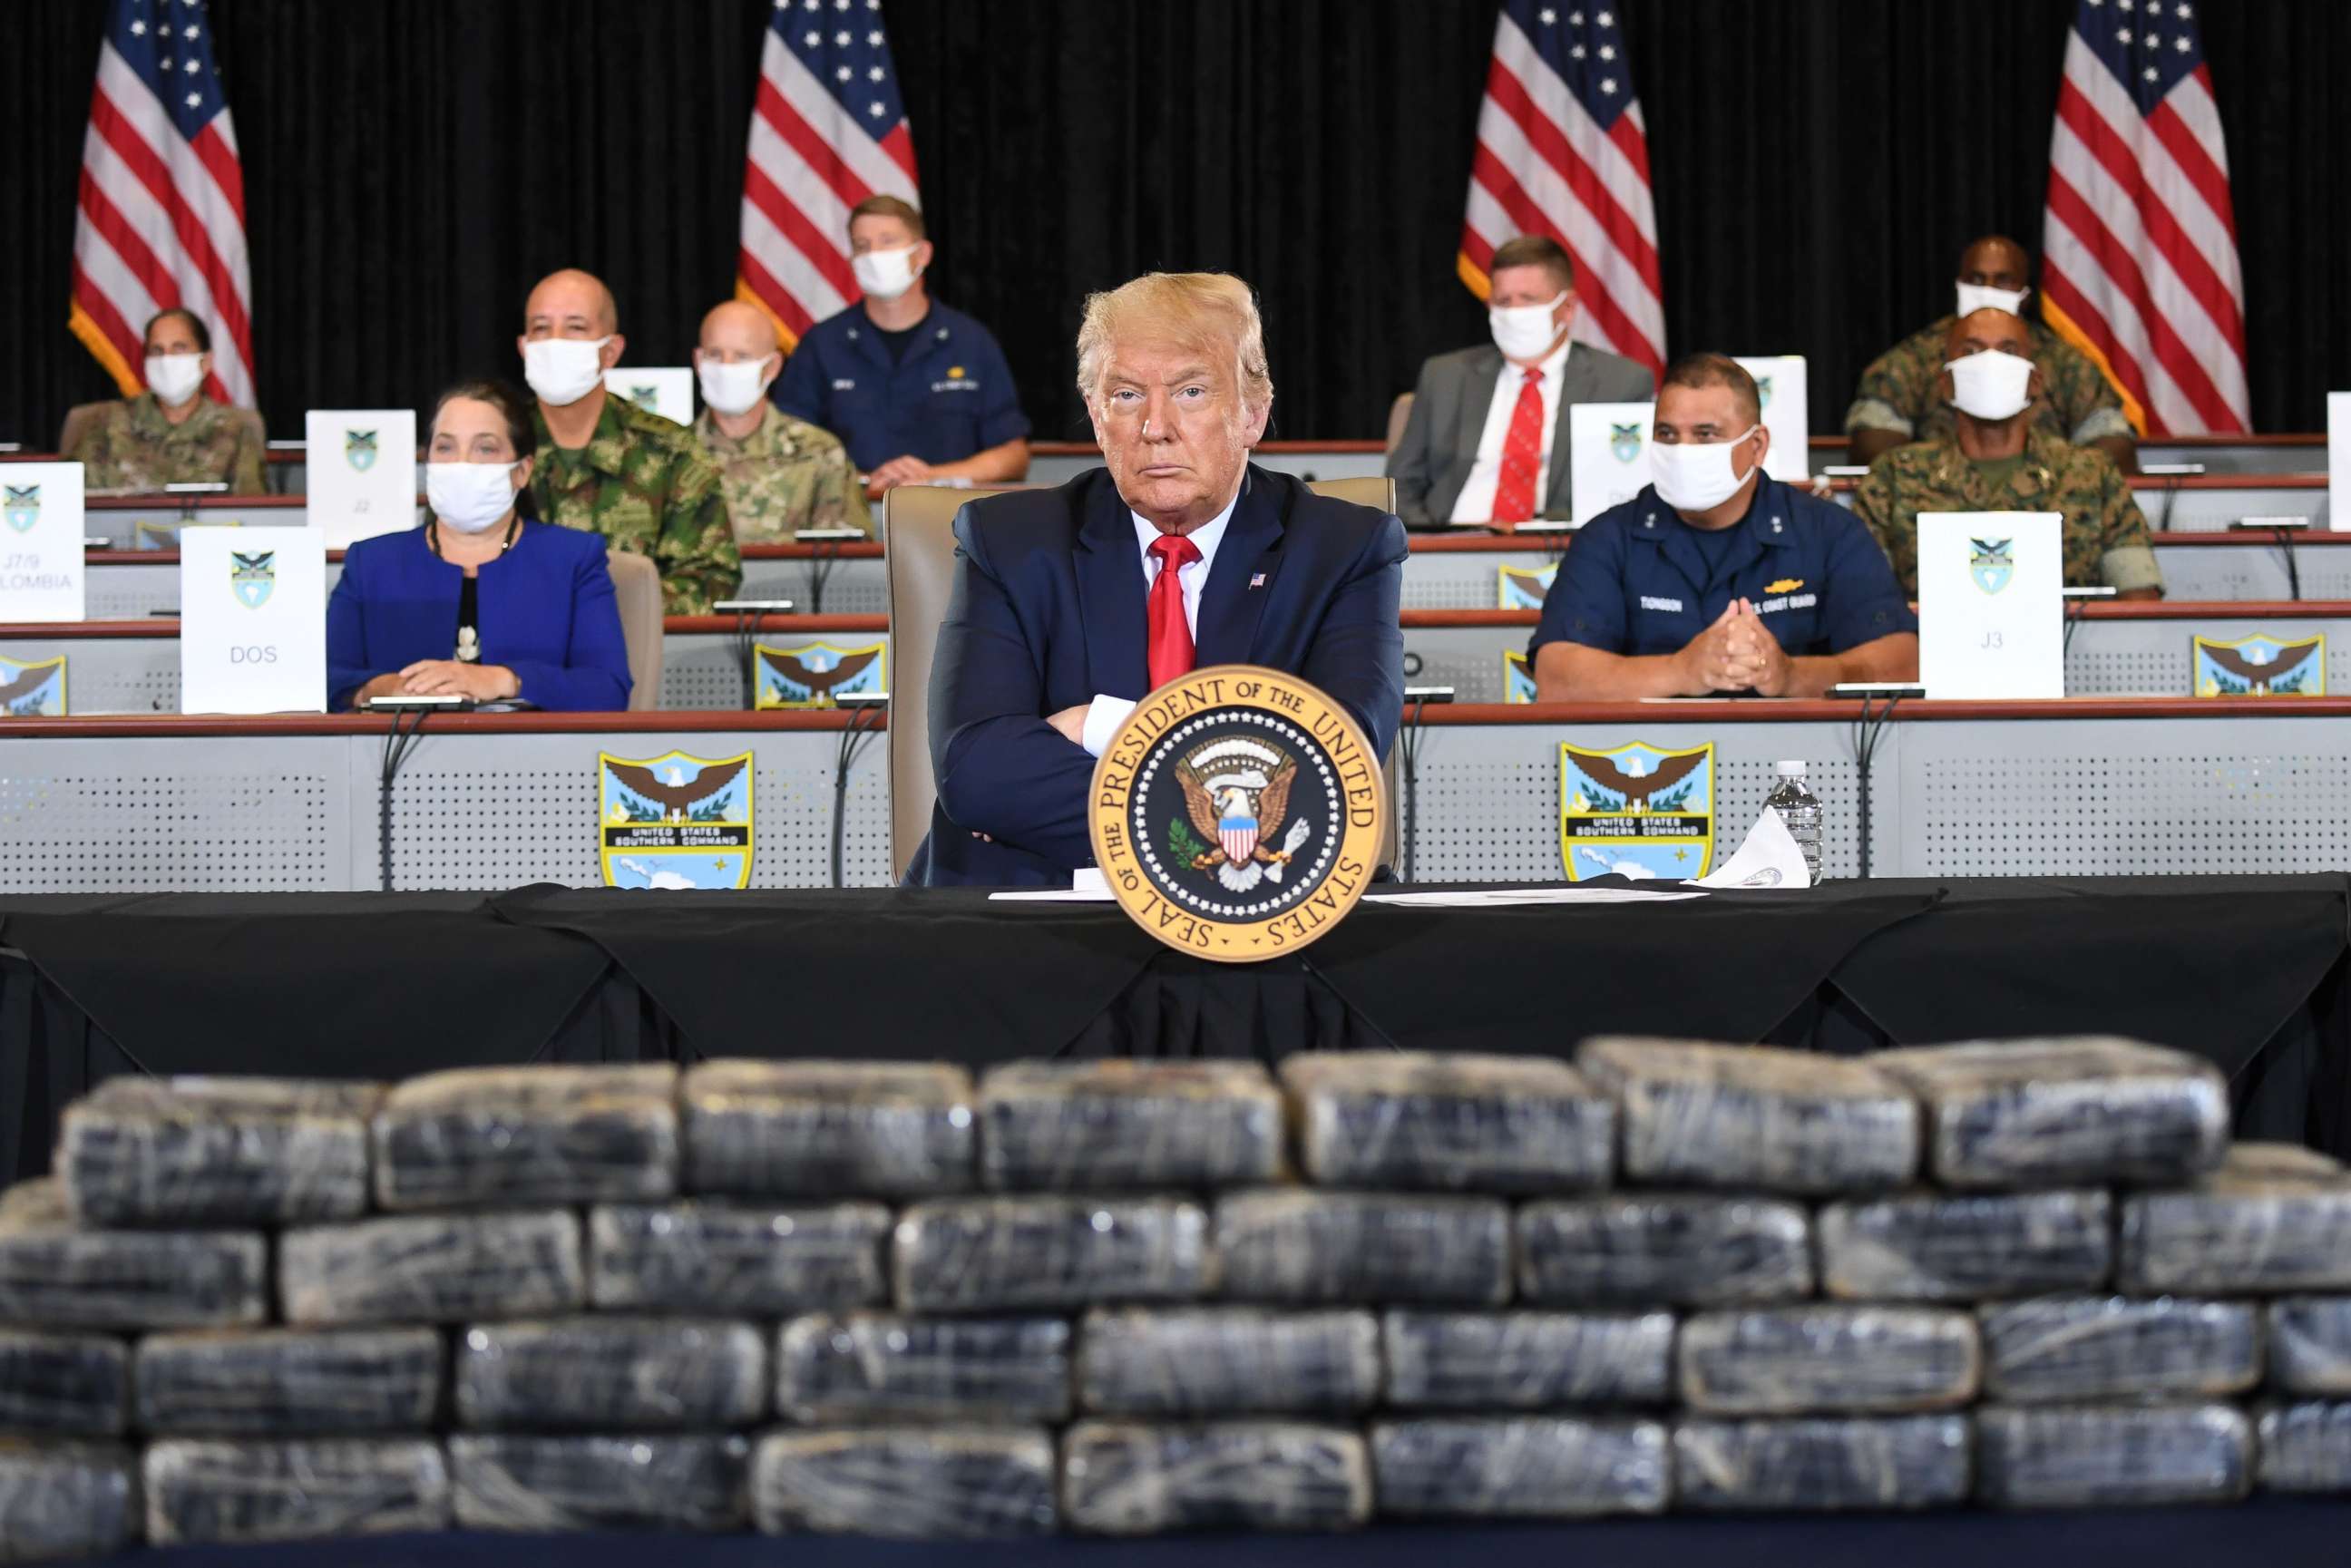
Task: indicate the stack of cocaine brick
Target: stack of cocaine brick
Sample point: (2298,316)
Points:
(1126,1298)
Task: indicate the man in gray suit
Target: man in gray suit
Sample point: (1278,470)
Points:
(1482,446)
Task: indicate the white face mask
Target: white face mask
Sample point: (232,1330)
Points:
(1975,297)
(175,378)
(885,273)
(1695,477)
(562,371)
(1524,331)
(470,497)
(733,388)
(1991,385)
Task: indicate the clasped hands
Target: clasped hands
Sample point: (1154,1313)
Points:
(1737,653)
(435,677)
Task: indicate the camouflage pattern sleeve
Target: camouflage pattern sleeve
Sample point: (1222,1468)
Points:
(247,475)
(836,501)
(1874,502)
(700,563)
(1897,390)
(2126,559)
(2085,403)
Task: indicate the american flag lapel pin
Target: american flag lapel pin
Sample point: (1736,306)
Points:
(1257,580)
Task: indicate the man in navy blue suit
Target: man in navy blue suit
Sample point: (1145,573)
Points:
(1072,604)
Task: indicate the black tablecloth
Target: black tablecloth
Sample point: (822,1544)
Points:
(2248,971)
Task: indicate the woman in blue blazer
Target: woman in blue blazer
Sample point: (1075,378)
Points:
(482,601)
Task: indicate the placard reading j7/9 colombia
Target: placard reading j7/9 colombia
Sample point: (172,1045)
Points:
(1237,814)
(41,542)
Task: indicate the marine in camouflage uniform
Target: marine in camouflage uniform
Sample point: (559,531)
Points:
(129,445)
(643,483)
(785,476)
(2106,540)
(1900,391)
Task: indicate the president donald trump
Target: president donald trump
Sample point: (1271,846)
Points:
(1072,604)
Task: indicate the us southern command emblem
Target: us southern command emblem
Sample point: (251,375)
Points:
(675,822)
(358,449)
(253,576)
(1991,562)
(1518,680)
(1624,440)
(1237,814)
(817,674)
(23,507)
(33,690)
(2261,667)
(1524,590)
(1636,810)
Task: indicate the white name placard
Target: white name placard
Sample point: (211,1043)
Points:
(1990,615)
(2338,460)
(1780,382)
(361,472)
(40,541)
(1608,456)
(253,621)
(667,391)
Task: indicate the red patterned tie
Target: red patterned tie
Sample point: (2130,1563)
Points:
(1171,634)
(1514,493)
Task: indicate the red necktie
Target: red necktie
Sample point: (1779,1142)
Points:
(1514,493)
(1171,634)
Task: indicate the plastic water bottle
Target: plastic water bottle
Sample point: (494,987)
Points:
(1800,808)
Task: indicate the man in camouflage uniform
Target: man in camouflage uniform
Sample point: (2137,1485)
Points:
(612,468)
(144,444)
(1898,399)
(780,475)
(2009,466)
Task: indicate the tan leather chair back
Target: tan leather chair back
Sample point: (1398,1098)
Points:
(918,521)
(636,584)
(1399,415)
(1377,491)
(1392,833)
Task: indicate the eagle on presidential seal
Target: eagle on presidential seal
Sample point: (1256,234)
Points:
(1237,795)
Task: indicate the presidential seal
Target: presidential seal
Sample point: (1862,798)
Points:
(1238,813)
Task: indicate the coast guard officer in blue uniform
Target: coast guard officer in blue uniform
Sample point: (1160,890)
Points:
(1718,579)
(919,393)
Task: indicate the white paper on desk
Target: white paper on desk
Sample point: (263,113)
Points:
(1608,456)
(1512,897)
(1770,857)
(253,621)
(41,542)
(666,389)
(1780,382)
(360,473)
(2338,460)
(1087,885)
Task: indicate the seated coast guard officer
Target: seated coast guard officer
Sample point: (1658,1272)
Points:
(1718,579)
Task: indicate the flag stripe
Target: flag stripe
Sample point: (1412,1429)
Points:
(147,243)
(1544,140)
(787,193)
(2136,317)
(1511,211)
(1627,182)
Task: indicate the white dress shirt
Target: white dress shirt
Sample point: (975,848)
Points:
(1105,713)
(1476,502)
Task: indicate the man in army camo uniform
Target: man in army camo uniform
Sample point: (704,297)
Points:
(780,475)
(171,433)
(2008,464)
(1898,400)
(612,468)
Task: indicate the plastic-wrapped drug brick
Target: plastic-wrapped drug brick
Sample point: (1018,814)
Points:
(654,1481)
(2081,1348)
(611,1374)
(63,1384)
(942,1483)
(881,1366)
(203,1490)
(217,1151)
(1414,1120)
(1755,1116)
(827,1129)
(757,1260)
(1364,1248)
(1643,1249)
(2306,1446)
(55,1272)
(289,1382)
(1228,1360)
(2310,1345)
(1519,1466)
(1526,1360)
(521,1135)
(2060,1112)
(1821,1464)
(1127,1126)
(432,1269)
(1121,1478)
(1818,1360)
(1966,1247)
(65,1499)
(2111,1456)
(1009,1254)
(2247,1228)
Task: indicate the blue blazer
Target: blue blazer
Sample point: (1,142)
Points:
(1049,610)
(547,606)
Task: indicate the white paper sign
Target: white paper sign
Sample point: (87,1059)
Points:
(1608,456)
(1779,379)
(2338,460)
(361,472)
(1990,615)
(253,621)
(667,391)
(40,541)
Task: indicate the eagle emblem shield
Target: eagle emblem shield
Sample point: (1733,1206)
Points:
(1524,590)
(644,396)
(1991,562)
(358,449)
(33,690)
(1762,392)
(817,674)
(1624,440)
(2261,667)
(675,822)
(1236,800)
(23,507)
(1517,679)
(1637,810)
(253,576)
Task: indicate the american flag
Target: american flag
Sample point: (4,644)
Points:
(1562,151)
(2139,267)
(828,131)
(162,216)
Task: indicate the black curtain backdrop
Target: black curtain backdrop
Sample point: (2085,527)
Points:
(411,167)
